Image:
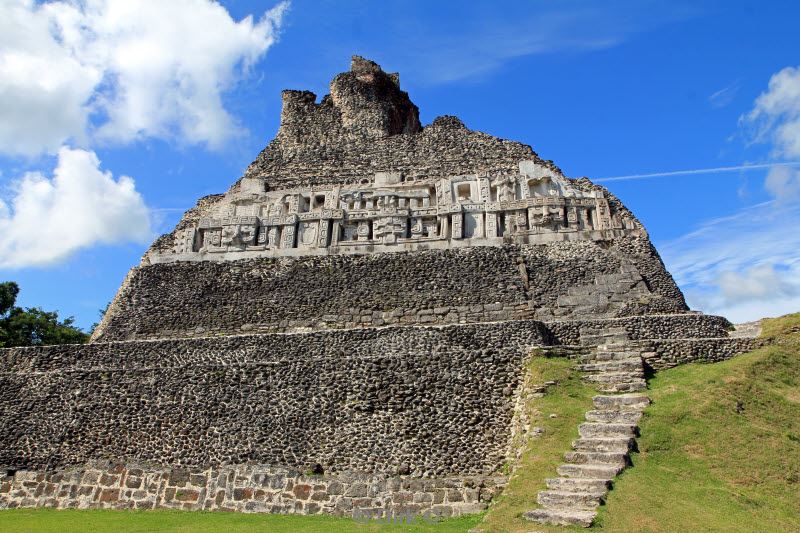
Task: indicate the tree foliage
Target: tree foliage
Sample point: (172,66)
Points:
(33,326)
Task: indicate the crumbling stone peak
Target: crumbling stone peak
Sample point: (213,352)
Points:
(347,331)
(368,125)
(357,173)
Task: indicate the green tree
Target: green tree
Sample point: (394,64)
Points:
(102,312)
(33,326)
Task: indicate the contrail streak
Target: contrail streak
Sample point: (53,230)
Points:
(715,170)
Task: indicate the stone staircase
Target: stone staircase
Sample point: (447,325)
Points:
(605,438)
(614,365)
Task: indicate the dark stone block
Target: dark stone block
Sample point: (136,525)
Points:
(109,495)
(302,492)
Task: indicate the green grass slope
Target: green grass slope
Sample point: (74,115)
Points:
(719,451)
(568,401)
(720,446)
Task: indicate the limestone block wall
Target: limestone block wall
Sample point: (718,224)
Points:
(661,354)
(388,422)
(334,291)
(247,488)
(419,401)
(481,284)
(658,279)
(680,326)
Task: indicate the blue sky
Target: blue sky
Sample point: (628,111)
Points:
(113,122)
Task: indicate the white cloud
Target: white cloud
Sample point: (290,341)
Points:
(776,113)
(122,70)
(49,219)
(759,282)
(44,90)
(747,265)
(783,183)
(742,266)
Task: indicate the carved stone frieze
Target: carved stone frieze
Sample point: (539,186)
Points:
(537,204)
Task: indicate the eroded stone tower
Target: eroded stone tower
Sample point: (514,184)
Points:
(345,330)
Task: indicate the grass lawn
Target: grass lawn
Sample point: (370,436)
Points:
(719,451)
(69,521)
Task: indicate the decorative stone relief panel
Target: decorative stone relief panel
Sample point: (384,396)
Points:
(535,205)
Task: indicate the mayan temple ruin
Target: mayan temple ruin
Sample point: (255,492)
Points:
(347,330)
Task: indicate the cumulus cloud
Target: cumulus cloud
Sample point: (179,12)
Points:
(761,291)
(44,90)
(776,113)
(47,219)
(121,71)
(759,282)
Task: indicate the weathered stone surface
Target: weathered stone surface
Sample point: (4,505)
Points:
(570,499)
(439,286)
(593,471)
(562,517)
(370,400)
(357,174)
(613,444)
(661,354)
(607,436)
(290,491)
(570,484)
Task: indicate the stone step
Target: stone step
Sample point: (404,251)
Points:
(613,416)
(598,429)
(621,401)
(621,445)
(638,385)
(582,293)
(616,342)
(623,346)
(578,484)
(572,500)
(613,355)
(571,352)
(560,517)
(629,364)
(593,471)
(614,377)
(610,458)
